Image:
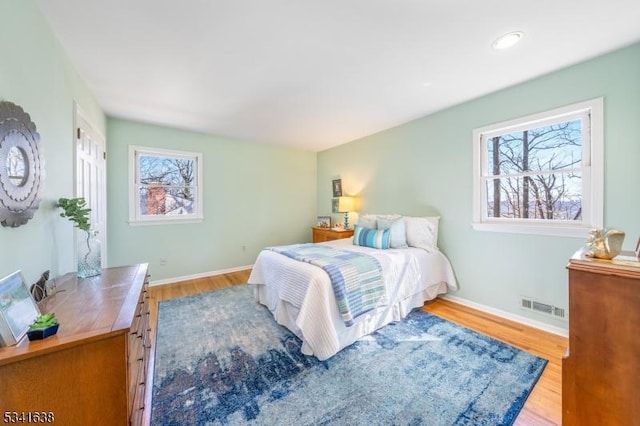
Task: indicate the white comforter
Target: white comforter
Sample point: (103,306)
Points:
(301,298)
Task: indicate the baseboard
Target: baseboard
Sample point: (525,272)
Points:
(200,275)
(508,315)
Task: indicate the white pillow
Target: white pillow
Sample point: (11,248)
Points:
(422,232)
(367,221)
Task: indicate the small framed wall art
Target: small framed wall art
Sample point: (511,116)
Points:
(334,205)
(337,188)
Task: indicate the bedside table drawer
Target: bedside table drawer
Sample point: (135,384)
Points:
(325,234)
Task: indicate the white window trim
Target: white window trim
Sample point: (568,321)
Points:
(592,198)
(134,195)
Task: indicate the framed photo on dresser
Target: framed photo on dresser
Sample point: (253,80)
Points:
(323,222)
(17,309)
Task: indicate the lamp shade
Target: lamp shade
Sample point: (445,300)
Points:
(346,204)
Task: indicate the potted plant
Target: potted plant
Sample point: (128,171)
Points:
(43,326)
(89,256)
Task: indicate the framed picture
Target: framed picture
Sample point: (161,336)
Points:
(324,222)
(334,205)
(17,309)
(638,249)
(337,188)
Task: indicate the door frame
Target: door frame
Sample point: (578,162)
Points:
(81,123)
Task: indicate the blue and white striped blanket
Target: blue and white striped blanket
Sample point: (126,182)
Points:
(356,277)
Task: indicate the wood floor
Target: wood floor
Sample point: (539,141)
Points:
(544,405)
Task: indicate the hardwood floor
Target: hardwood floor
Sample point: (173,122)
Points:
(544,405)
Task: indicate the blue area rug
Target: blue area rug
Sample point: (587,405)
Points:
(222,360)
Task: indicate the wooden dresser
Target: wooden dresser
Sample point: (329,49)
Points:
(327,234)
(93,371)
(601,371)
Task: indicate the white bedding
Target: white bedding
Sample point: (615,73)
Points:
(300,295)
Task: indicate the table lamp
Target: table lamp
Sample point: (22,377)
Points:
(346,205)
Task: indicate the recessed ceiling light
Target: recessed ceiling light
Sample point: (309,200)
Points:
(507,40)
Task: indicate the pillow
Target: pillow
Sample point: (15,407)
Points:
(367,221)
(398,238)
(388,216)
(373,238)
(422,232)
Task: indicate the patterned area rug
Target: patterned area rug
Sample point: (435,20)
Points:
(222,360)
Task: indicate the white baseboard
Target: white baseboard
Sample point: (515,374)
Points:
(508,315)
(200,275)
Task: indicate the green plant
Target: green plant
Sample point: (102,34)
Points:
(75,210)
(43,321)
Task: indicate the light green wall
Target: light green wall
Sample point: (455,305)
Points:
(36,74)
(257,195)
(425,167)
(254,196)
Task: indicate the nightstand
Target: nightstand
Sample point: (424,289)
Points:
(327,234)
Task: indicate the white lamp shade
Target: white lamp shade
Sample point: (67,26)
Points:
(346,204)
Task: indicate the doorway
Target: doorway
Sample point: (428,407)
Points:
(91,175)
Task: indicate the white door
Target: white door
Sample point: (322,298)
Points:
(91,176)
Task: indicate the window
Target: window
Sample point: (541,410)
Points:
(165,186)
(541,174)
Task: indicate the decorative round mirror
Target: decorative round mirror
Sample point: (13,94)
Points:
(21,166)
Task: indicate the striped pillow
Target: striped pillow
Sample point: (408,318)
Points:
(379,239)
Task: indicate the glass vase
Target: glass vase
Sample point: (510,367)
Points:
(89,255)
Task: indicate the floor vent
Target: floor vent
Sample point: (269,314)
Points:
(543,308)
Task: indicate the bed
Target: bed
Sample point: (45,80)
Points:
(301,297)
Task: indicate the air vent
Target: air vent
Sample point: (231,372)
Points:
(558,312)
(543,308)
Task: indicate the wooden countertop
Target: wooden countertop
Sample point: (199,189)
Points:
(625,263)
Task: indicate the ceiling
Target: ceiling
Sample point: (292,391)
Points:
(314,74)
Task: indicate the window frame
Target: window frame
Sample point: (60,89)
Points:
(592,173)
(135,217)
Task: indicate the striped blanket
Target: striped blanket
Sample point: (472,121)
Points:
(356,277)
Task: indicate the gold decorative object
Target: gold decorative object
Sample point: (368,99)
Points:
(604,244)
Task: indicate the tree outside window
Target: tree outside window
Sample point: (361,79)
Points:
(541,173)
(166,184)
(536,173)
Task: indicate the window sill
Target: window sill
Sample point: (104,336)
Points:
(534,229)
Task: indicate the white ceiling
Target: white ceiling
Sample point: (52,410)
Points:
(314,74)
